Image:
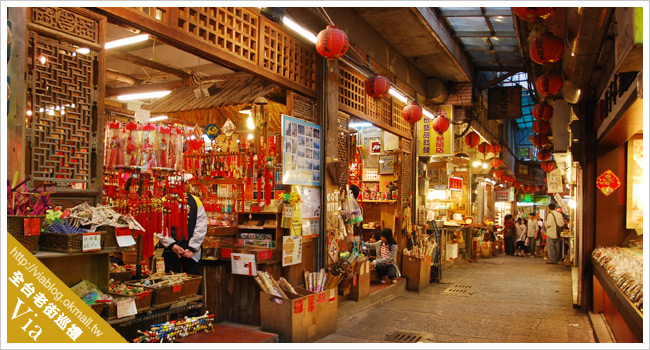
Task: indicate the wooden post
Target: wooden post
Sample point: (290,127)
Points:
(331,79)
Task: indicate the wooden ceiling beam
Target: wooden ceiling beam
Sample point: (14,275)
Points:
(149,64)
(125,78)
(168,85)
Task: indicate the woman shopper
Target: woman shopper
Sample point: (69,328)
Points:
(520,226)
(509,234)
(385,264)
(532,230)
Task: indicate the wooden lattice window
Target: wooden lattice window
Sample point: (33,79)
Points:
(234,29)
(379,109)
(157,13)
(284,55)
(399,122)
(343,148)
(66,21)
(62,97)
(352,91)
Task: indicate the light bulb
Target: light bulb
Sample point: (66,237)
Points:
(250,124)
(485,165)
(250,136)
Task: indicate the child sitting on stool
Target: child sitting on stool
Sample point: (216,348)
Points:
(385,264)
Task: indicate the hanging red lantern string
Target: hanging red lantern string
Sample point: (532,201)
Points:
(496,162)
(541,126)
(549,83)
(472,139)
(498,173)
(542,111)
(540,141)
(496,148)
(412,112)
(377,86)
(332,42)
(532,14)
(440,124)
(546,48)
(516,184)
(548,166)
(484,148)
(544,155)
(526,188)
(534,189)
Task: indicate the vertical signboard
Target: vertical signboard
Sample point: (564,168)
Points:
(430,143)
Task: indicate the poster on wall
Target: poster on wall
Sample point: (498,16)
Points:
(635,193)
(291,250)
(554,181)
(430,143)
(301,157)
(243,264)
(310,209)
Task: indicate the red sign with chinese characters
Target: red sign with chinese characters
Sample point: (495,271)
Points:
(265,254)
(608,182)
(297,306)
(226,252)
(322,297)
(455,183)
(32,227)
(311,303)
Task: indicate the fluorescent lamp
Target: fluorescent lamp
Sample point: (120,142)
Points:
(359,125)
(299,29)
(250,124)
(250,136)
(572,204)
(397,95)
(158,118)
(83,50)
(427,113)
(153,94)
(126,41)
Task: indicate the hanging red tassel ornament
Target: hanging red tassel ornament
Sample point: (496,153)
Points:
(542,111)
(496,162)
(412,113)
(332,42)
(440,124)
(549,83)
(532,14)
(541,126)
(472,139)
(377,86)
(546,48)
(268,180)
(484,148)
(544,155)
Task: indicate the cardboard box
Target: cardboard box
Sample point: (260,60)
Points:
(326,313)
(293,318)
(361,287)
(486,250)
(417,272)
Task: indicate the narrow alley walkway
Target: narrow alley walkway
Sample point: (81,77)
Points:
(510,300)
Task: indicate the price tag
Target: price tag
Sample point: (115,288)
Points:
(124,237)
(297,306)
(226,252)
(160,265)
(265,254)
(126,307)
(332,295)
(322,297)
(312,303)
(91,242)
(32,227)
(354,280)
(176,288)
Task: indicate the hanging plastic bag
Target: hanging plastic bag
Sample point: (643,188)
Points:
(352,210)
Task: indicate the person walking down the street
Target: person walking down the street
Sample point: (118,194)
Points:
(520,226)
(509,234)
(385,264)
(554,220)
(532,230)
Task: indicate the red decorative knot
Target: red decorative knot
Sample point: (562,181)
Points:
(412,112)
(496,162)
(548,166)
(541,126)
(549,83)
(544,155)
(472,139)
(531,14)
(377,86)
(496,148)
(541,141)
(542,111)
(332,42)
(484,148)
(546,48)
(440,124)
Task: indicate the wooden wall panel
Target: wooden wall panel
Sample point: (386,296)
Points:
(610,210)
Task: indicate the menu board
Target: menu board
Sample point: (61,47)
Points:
(301,157)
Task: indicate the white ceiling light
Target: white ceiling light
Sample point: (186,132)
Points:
(126,41)
(427,113)
(397,95)
(299,29)
(360,125)
(83,50)
(250,124)
(158,118)
(153,94)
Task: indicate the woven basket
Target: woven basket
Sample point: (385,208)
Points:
(65,242)
(122,276)
(16,227)
(110,241)
(130,258)
(98,307)
(142,300)
(161,295)
(191,285)
(110,311)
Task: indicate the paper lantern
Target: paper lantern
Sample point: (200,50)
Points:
(498,173)
(377,86)
(541,126)
(549,83)
(412,112)
(496,162)
(472,139)
(546,48)
(526,188)
(544,155)
(542,111)
(541,141)
(484,148)
(517,185)
(548,166)
(531,14)
(534,189)
(332,42)
(496,148)
(440,124)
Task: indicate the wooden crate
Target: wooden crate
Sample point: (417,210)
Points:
(417,272)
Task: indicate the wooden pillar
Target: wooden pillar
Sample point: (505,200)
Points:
(17,100)
(331,130)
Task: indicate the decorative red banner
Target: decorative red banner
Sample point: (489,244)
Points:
(32,227)
(608,182)
(312,303)
(297,306)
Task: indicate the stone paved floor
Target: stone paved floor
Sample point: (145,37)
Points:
(512,300)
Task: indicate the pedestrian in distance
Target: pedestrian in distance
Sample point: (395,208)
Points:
(554,220)
(532,231)
(509,234)
(520,226)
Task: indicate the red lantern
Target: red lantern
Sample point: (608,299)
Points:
(496,162)
(542,111)
(548,166)
(496,148)
(332,42)
(549,84)
(526,188)
(377,86)
(541,141)
(541,126)
(546,48)
(542,188)
(412,112)
(544,155)
(472,139)
(517,184)
(531,14)
(534,189)
(484,148)
(498,173)
(440,124)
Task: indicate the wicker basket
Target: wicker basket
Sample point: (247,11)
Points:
(122,276)
(142,300)
(98,307)
(161,295)
(16,227)
(110,311)
(65,242)
(130,258)
(110,241)
(191,285)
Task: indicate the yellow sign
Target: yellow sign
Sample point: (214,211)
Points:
(42,309)
(430,143)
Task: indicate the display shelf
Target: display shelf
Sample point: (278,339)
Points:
(92,266)
(630,314)
(388,201)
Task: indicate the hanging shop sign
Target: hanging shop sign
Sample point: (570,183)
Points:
(301,157)
(502,195)
(614,98)
(455,183)
(430,143)
(635,194)
(542,200)
(526,198)
(607,182)
(504,102)
(554,181)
